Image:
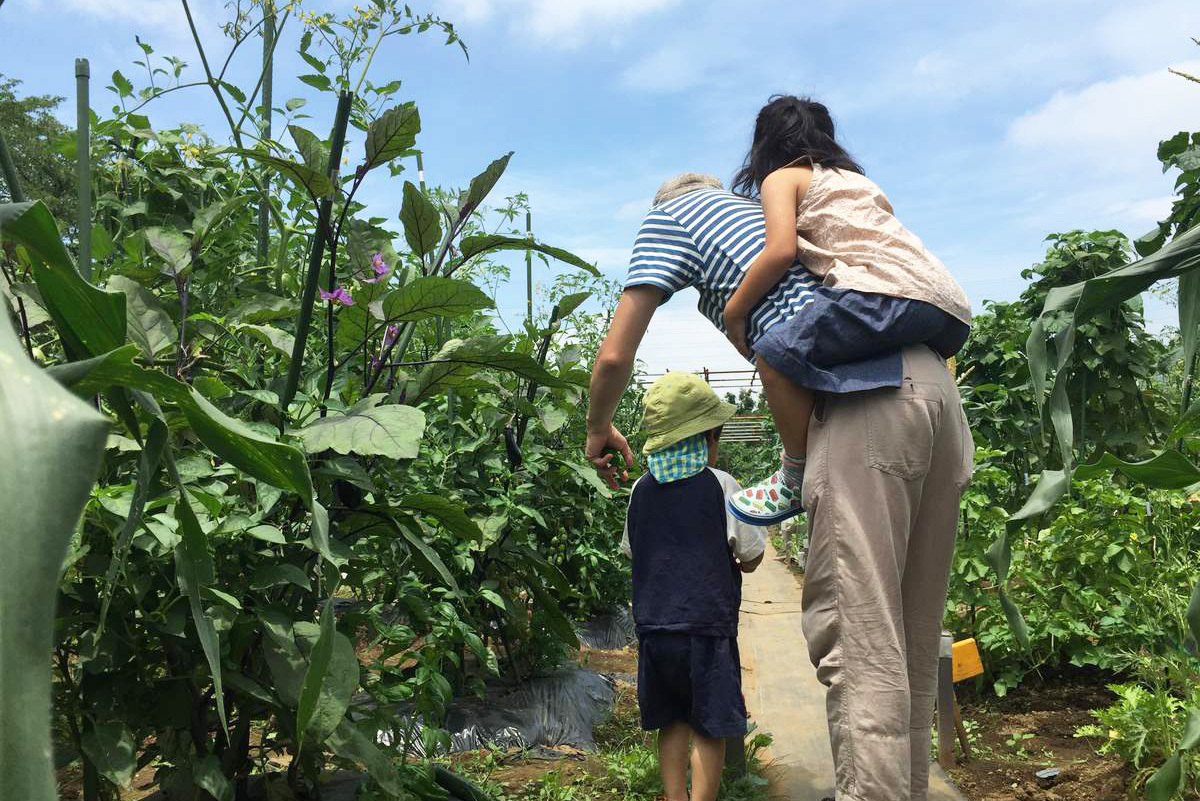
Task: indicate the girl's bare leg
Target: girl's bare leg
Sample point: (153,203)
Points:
(791,406)
(780,496)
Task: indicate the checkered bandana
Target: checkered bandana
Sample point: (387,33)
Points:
(682,460)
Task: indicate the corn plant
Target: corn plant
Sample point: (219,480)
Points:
(1171,251)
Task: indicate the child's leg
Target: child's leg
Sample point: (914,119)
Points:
(791,407)
(673,759)
(708,761)
(779,497)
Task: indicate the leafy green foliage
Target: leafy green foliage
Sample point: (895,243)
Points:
(59,439)
(195,610)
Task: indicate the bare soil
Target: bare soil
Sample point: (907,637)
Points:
(1031,729)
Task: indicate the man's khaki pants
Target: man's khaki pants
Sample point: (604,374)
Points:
(886,470)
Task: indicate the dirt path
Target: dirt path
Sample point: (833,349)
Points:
(782,692)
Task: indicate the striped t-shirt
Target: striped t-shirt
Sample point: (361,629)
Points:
(708,239)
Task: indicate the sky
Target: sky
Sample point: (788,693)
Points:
(989,124)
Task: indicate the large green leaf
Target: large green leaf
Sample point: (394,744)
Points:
(286,663)
(569,303)
(348,742)
(1189,317)
(173,248)
(449,514)
(261,457)
(1088,298)
(111,748)
(391,135)
(314,151)
(89,320)
(391,430)
(556,621)
(148,467)
(422,223)
(434,567)
(211,216)
(53,443)
(477,245)
(313,181)
(459,359)
(193,572)
(481,186)
(329,682)
(148,324)
(434,296)
(1167,470)
(1193,613)
(280,340)
(1164,784)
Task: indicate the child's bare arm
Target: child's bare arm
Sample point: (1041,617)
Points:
(752,565)
(781,193)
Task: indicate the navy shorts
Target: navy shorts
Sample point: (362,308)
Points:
(691,678)
(848,341)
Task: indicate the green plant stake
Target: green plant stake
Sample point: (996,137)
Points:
(317,255)
(10,172)
(54,442)
(83,159)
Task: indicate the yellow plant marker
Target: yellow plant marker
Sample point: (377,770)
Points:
(967,662)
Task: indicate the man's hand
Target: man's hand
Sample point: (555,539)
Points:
(735,329)
(598,443)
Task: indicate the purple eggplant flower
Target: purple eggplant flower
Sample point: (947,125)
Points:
(393,333)
(339,295)
(379,269)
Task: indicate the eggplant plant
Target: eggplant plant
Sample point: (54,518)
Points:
(306,529)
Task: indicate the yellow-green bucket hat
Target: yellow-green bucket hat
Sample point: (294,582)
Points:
(678,406)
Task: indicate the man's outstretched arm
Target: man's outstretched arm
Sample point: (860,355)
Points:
(610,376)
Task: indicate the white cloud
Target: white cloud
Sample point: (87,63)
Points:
(1047,46)
(566,20)
(1146,211)
(160,23)
(1114,125)
(681,338)
(562,23)
(468,11)
(671,68)
(634,209)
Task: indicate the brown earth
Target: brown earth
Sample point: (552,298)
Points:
(1033,729)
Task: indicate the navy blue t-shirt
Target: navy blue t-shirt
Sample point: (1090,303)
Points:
(685,578)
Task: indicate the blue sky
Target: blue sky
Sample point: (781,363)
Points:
(989,124)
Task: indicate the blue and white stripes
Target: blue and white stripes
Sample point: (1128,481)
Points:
(708,239)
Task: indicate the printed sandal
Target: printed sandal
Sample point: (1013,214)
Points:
(768,503)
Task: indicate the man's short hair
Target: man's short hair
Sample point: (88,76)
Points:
(683,183)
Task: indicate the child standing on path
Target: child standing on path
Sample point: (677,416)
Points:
(882,290)
(688,556)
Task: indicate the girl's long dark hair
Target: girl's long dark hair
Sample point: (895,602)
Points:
(790,128)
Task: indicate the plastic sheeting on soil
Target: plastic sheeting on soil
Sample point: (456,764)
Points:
(561,709)
(611,631)
(338,785)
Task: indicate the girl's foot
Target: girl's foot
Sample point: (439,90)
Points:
(768,503)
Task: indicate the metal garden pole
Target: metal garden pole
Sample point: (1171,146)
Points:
(268,67)
(529,268)
(83,160)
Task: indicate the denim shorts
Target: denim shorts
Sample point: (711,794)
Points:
(848,341)
(692,679)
